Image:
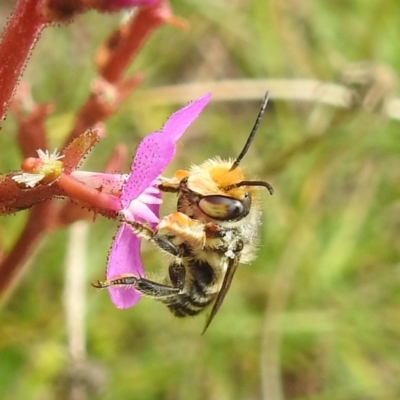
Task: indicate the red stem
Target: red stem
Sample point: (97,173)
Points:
(39,219)
(145,22)
(19,37)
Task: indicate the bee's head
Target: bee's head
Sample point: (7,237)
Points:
(222,199)
(219,189)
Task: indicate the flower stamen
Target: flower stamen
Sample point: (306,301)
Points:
(45,169)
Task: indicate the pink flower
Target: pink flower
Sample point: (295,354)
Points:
(140,197)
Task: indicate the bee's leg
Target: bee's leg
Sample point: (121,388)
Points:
(145,286)
(194,233)
(183,227)
(186,229)
(214,231)
(177,274)
(144,232)
(230,244)
(165,244)
(170,185)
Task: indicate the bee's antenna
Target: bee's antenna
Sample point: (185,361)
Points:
(252,133)
(251,183)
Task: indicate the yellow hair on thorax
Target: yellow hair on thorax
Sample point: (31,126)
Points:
(214,177)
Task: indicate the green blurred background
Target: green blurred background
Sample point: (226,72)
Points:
(317,314)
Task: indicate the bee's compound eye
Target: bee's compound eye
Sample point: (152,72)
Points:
(224,208)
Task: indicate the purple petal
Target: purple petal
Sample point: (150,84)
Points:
(179,121)
(139,212)
(152,156)
(155,208)
(124,258)
(157,150)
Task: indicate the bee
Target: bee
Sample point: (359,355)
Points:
(212,231)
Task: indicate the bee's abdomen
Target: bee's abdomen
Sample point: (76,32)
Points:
(197,294)
(185,307)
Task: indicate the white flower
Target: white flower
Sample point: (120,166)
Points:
(49,167)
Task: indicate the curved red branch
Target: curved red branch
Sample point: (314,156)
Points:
(19,37)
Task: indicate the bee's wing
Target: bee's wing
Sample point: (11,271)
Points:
(230,272)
